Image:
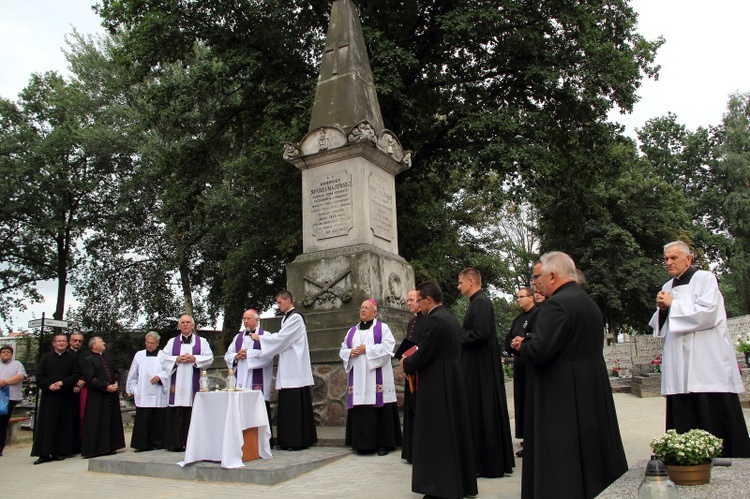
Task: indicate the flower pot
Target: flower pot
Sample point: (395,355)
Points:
(697,474)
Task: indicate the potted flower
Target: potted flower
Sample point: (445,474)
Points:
(743,345)
(688,456)
(616,368)
(656,364)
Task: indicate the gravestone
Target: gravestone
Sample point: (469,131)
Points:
(646,382)
(618,354)
(740,326)
(349,225)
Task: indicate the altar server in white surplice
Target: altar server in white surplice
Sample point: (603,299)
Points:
(254,373)
(149,383)
(183,358)
(699,379)
(372,422)
(295,422)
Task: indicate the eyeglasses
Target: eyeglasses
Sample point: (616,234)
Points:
(523,296)
(535,277)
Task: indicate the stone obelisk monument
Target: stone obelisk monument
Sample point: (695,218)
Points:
(350,246)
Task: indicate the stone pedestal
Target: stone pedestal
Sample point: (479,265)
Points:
(646,385)
(330,286)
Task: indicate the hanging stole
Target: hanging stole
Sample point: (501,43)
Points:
(378,337)
(257,378)
(176,348)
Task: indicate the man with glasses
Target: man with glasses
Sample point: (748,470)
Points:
(485,384)
(522,326)
(148,382)
(413,335)
(80,391)
(372,421)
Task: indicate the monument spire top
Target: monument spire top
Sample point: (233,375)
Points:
(345,95)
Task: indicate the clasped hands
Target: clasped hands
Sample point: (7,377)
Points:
(357,351)
(186,358)
(515,344)
(663,300)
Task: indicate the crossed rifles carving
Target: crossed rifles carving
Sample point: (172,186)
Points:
(326,287)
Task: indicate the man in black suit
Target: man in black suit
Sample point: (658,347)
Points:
(443,454)
(572,443)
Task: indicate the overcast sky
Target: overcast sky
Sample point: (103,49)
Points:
(703,60)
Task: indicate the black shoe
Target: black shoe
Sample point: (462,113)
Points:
(382,451)
(43,459)
(519,453)
(58,458)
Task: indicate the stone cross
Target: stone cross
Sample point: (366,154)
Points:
(334,52)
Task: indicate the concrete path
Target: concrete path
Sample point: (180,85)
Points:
(351,476)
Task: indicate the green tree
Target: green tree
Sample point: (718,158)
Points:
(498,99)
(614,225)
(61,154)
(734,153)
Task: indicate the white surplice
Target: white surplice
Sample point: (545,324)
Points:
(183,386)
(243,371)
(142,371)
(698,353)
(290,343)
(364,366)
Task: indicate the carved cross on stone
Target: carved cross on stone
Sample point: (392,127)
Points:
(326,290)
(335,53)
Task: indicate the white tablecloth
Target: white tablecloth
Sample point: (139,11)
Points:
(216,427)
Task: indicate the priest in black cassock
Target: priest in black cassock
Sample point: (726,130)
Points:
(413,335)
(572,443)
(522,326)
(55,431)
(443,453)
(102,421)
(485,383)
(80,391)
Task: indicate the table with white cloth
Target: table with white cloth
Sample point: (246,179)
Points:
(217,424)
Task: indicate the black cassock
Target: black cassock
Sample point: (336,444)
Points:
(572,445)
(102,420)
(56,431)
(413,333)
(522,326)
(485,389)
(443,455)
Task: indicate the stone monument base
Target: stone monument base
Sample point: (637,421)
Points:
(328,287)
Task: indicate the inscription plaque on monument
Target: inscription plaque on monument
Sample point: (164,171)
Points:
(331,204)
(381,207)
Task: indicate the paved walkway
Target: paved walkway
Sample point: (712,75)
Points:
(352,476)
